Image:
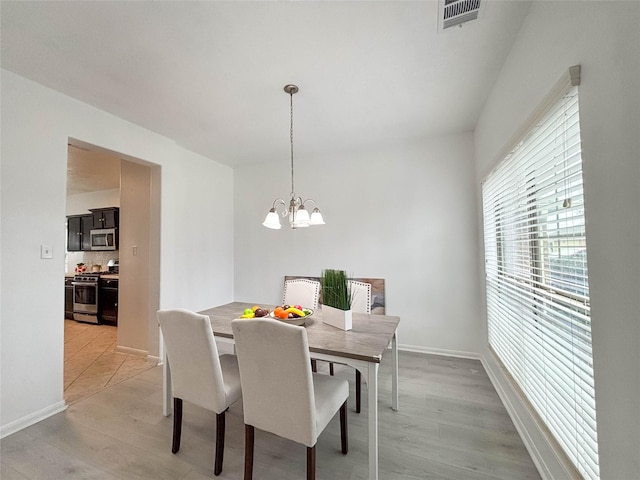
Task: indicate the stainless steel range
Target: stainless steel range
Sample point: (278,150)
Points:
(85,297)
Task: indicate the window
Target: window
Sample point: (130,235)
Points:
(539,322)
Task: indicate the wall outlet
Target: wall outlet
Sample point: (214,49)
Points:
(46,251)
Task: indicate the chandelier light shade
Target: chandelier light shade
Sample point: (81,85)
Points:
(296,209)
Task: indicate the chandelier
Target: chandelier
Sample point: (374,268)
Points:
(296,211)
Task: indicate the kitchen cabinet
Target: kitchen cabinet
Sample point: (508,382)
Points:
(105,217)
(78,233)
(108,301)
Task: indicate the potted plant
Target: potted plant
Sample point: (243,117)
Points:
(336,299)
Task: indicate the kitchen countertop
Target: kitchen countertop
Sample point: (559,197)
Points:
(108,276)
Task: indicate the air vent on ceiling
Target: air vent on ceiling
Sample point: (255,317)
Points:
(457,12)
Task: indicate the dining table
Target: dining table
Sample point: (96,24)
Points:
(362,348)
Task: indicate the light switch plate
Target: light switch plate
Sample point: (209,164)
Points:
(46,251)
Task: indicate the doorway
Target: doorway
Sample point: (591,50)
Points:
(98,356)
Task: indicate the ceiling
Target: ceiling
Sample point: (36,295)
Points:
(91,171)
(210,75)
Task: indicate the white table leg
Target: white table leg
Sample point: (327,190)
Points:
(372,387)
(394,371)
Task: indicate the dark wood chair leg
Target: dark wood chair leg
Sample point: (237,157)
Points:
(331,368)
(344,434)
(220,424)
(248,451)
(311,463)
(358,391)
(314,366)
(177,424)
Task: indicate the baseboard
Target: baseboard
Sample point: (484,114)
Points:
(551,462)
(439,351)
(132,351)
(32,418)
(154,358)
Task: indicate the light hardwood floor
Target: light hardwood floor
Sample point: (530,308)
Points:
(450,426)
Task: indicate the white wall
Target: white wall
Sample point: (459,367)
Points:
(196,233)
(604,37)
(406,214)
(134,256)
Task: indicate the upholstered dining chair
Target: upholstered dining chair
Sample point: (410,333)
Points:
(301,291)
(280,393)
(305,292)
(360,303)
(360,296)
(198,374)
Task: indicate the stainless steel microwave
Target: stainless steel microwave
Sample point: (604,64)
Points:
(104,239)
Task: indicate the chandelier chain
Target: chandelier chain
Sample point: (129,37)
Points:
(291,139)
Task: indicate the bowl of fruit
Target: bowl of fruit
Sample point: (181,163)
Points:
(255,312)
(293,314)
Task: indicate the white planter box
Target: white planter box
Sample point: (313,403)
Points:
(337,318)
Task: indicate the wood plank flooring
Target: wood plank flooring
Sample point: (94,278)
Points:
(450,426)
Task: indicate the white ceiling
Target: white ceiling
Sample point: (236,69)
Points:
(91,171)
(210,74)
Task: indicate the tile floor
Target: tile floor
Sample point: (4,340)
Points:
(91,362)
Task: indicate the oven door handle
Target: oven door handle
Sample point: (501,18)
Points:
(88,284)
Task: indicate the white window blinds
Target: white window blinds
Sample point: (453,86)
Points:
(537,284)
